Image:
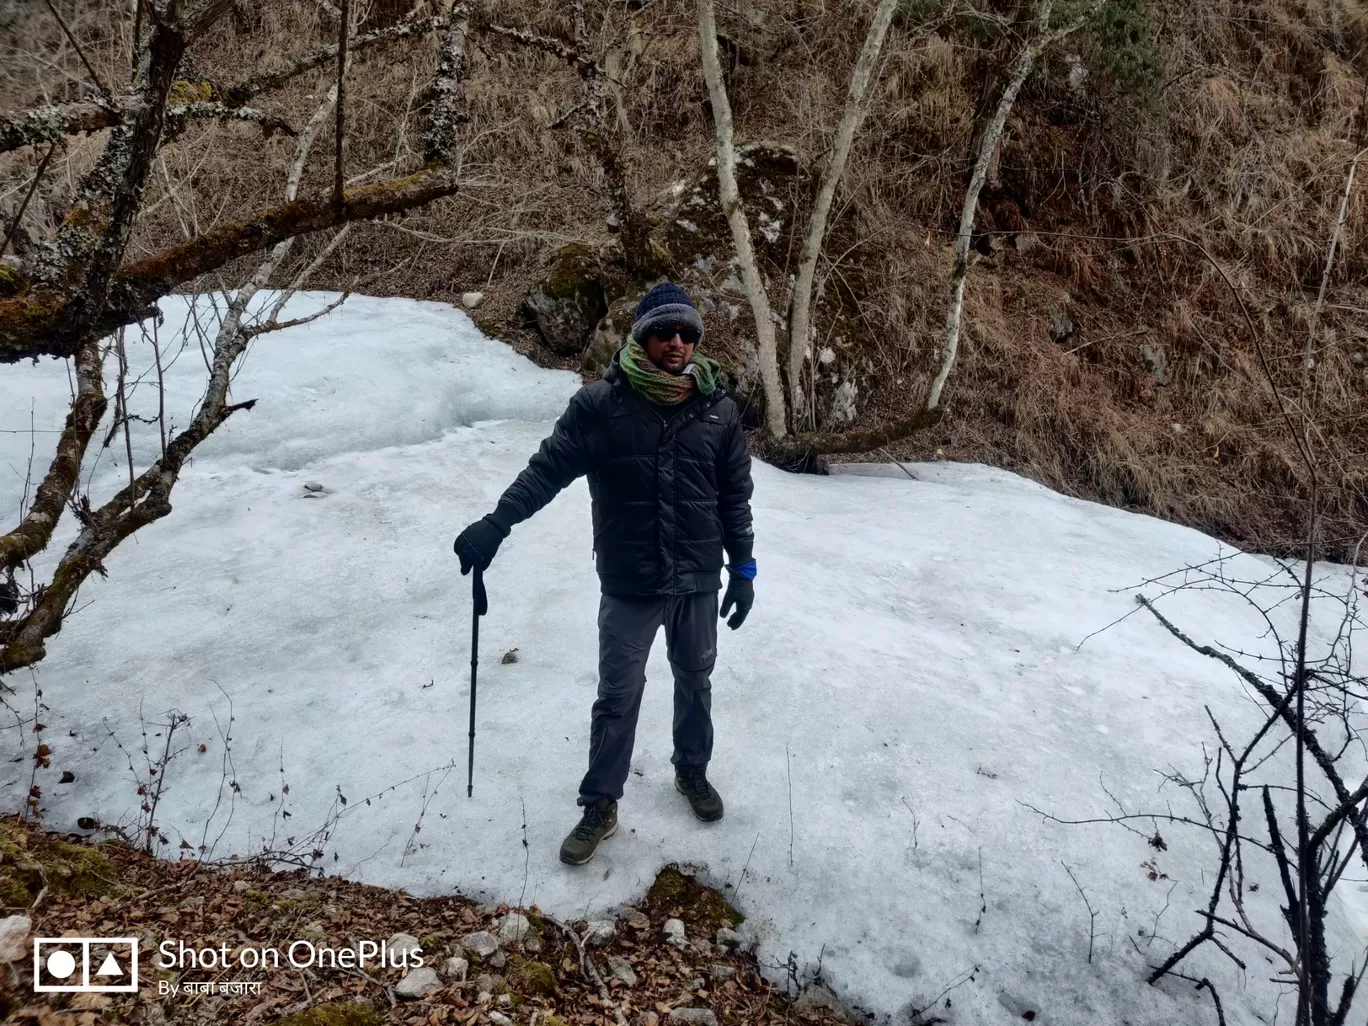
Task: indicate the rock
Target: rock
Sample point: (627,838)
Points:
(405,942)
(313,486)
(455,968)
(532,944)
(1155,359)
(472,300)
(694,1016)
(510,657)
(693,226)
(600,932)
(728,940)
(505,1000)
(484,998)
(498,960)
(481,944)
(610,334)
(484,983)
(569,302)
(674,933)
(635,919)
(499,1019)
(241,886)
(197,900)
(622,969)
(721,972)
(1060,327)
(817,998)
(417,983)
(292,893)
(14,932)
(514,926)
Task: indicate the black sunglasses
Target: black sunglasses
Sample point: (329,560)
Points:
(689,336)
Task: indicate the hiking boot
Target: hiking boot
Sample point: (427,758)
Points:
(703,797)
(599,821)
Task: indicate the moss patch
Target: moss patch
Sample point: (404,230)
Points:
(674,895)
(32,860)
(335,1014)
(531,977)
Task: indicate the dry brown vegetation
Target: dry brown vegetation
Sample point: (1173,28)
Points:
(1196,167)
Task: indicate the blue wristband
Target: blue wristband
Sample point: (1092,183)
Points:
(746,570)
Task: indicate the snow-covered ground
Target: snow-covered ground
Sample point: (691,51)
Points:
(909,681)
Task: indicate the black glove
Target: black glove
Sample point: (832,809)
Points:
(741,591)
(478,543)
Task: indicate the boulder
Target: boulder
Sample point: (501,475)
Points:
(565,308)
(417,983)
(14,933)
(514,926)
(481,944)
(610,334)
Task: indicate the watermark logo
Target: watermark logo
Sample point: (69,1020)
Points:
(85,965)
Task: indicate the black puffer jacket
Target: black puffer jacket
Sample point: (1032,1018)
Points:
(671,486)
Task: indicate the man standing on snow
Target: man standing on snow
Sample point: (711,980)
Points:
(669,478)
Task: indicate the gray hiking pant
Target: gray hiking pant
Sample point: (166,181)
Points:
(627,628)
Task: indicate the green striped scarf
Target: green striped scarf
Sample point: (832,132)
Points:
(660,386)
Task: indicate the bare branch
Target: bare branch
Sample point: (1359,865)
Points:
(53,123)
(30,325)
(80,52)
(244,91)
(33,187)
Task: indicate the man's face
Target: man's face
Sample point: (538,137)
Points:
(667,346)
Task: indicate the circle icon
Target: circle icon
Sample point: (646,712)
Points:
(61,964)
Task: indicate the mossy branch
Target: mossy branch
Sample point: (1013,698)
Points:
(32,325)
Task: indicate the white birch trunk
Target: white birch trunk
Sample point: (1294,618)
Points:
(988,143)
(740,228)
(857,103)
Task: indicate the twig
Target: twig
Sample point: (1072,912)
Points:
(14,225)
(341,98)
(788,764)
(80,53)
(983,901)
(1092,914)
(587,963)
(527,852)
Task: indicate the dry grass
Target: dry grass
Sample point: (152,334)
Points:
(1242,148)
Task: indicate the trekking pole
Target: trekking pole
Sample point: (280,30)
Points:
(481,606)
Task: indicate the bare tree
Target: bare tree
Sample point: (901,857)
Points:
(991,137)
(79,288)
(603,134)
(857,104)
(730,198)
(1311,701)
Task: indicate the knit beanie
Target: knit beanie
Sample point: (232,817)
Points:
(665,304)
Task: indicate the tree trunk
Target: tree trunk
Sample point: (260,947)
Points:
(857,103)
(740,228)
(988,143)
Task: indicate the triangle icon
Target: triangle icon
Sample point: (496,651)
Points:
(109,967)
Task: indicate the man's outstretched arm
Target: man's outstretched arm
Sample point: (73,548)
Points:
(563,456)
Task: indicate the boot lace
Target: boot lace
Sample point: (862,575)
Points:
(696,783)
(593,818)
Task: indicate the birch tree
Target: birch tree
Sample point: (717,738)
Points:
(730,197)
(857,104)
(1020,70)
